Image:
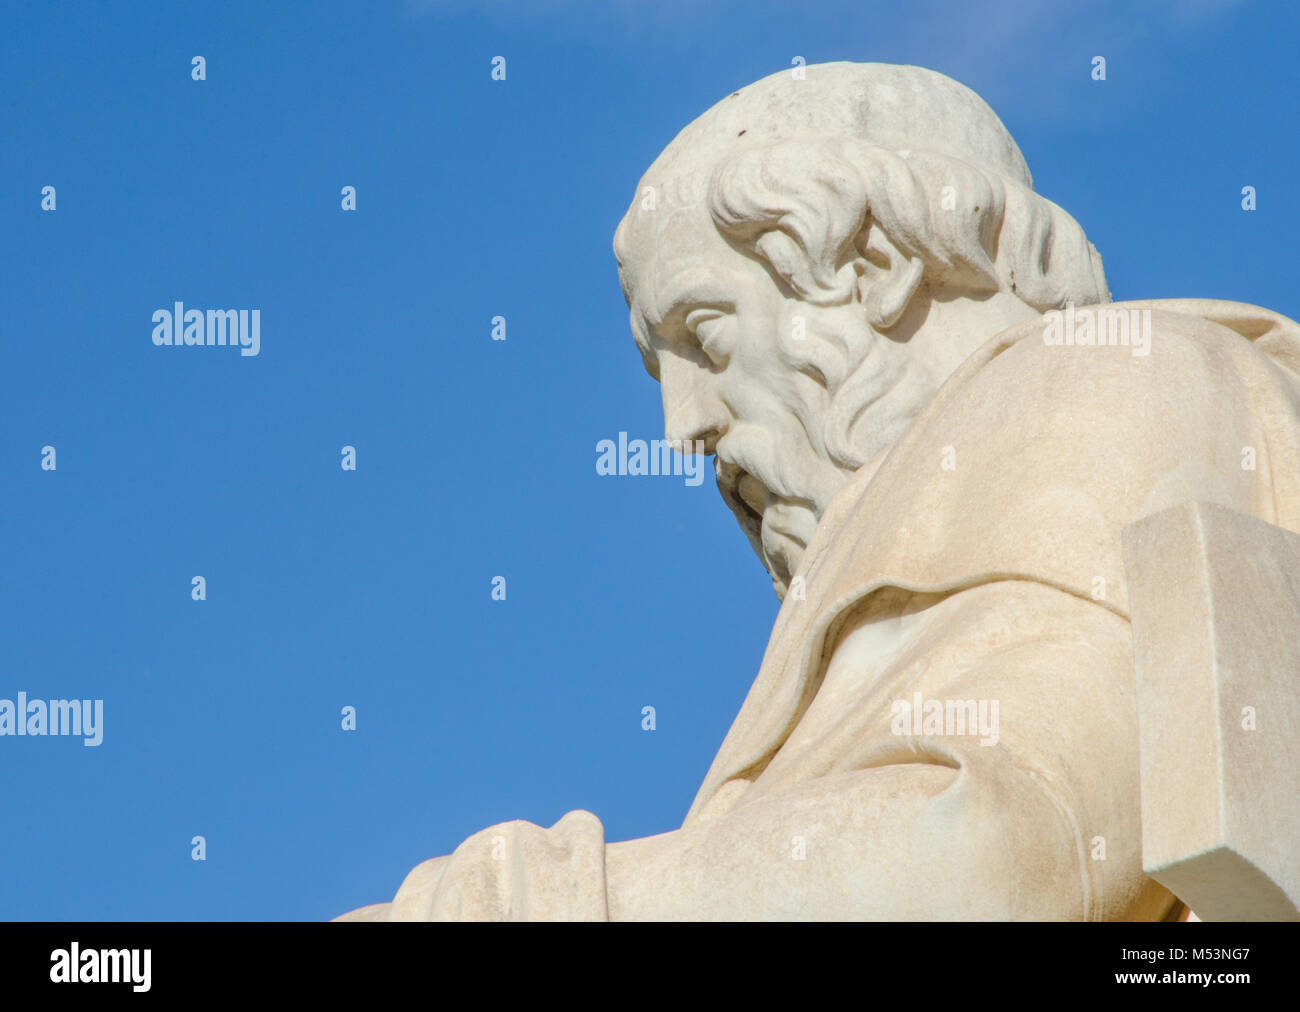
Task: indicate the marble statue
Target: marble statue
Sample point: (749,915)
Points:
(934,427)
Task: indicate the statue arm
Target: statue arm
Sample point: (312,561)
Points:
(901,842)
(850,822)
(1042,825)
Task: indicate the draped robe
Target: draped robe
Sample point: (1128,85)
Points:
(978,560)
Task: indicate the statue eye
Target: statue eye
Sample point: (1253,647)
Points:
(711,328)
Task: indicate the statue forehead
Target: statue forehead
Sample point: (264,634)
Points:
(673,252)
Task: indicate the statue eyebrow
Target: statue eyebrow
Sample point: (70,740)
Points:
(693,290)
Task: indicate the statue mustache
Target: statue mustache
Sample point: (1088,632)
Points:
(752,449)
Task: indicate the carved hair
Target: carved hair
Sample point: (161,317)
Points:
(970,228)
(807,207)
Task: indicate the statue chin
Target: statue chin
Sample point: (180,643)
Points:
(787,528)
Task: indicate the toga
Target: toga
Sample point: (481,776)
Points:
(975,565)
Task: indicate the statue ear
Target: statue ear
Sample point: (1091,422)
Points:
(887,277)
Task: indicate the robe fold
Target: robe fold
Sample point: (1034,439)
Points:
(1056,449)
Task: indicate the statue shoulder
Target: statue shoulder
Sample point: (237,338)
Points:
(1133,363)
(1151,342)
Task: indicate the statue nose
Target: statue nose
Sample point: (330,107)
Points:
(693,411)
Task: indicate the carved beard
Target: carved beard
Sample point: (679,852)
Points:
(777,482)
(778,476)
(768,497)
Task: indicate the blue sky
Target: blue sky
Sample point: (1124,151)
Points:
(328,588)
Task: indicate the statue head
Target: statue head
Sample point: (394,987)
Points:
(810,259)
